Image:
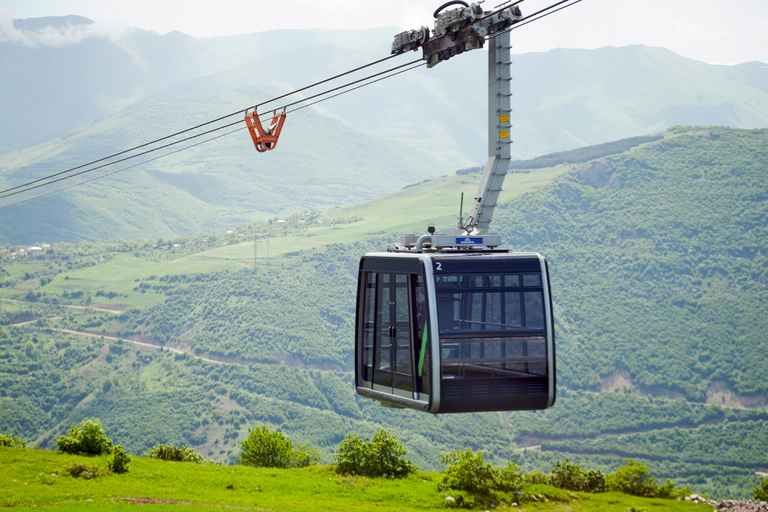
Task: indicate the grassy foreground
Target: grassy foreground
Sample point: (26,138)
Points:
(37,478)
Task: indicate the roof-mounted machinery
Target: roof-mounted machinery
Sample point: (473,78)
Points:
(456,31)
(410,40)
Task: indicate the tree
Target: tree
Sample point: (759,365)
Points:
(88,437)
(570,476)
(266,449)
(761,491)
(384,455)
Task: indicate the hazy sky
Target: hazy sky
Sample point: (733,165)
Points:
(708,30)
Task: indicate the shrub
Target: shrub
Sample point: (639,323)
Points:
(761,491)
(266,449)
(12,441)
(570,476)
(468,471)
(120,462)
(535,478)
(304,456)
(595,481)
(381,456)
(508,479)
(88,437)
(173,453)
(632,478)
(82,470)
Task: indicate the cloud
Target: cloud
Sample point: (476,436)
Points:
(63,32)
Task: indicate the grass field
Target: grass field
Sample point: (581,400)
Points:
(37,478)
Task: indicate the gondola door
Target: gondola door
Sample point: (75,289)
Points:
(392,345)
(389,349)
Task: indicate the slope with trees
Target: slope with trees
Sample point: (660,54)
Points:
(658,278)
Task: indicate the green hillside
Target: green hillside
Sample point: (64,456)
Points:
(36,478)
(220,184)
(658,278)
(664,251)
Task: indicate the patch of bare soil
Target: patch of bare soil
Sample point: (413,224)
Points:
(24,319)
(110,307)
(153,500)
(144,501)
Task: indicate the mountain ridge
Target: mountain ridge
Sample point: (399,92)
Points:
(563,99)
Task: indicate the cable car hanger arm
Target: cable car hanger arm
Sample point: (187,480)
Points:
(458,30)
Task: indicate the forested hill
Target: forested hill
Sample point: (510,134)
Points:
(660,263)
(658,277)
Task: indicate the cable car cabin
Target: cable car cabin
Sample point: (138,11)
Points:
(455,332)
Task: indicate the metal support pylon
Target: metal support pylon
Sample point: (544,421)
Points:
(499,154)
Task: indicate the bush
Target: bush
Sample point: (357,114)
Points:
(509,479)
(81,470)
(88,437)
(535,478)
(594,481)
(12,441)
(266,449)
(381,456)
(173,453)
(632,478)
(761,491)
(468,471)
(569,476)
(120,462)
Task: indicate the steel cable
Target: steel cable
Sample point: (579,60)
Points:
(26,187)
(19,189)
(201,142)
(155,141)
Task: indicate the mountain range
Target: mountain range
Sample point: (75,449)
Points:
(94,94)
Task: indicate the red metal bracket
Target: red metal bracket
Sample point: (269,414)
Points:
(264,139)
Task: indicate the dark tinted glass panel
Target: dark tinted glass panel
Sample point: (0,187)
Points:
(506,310)
(402,334)
(383,350)
(513,313)
(421,349)
(489,303)
(534,310)
(475,358)
(531,280)
(369,318)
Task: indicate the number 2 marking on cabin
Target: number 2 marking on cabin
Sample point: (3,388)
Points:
(438,265)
